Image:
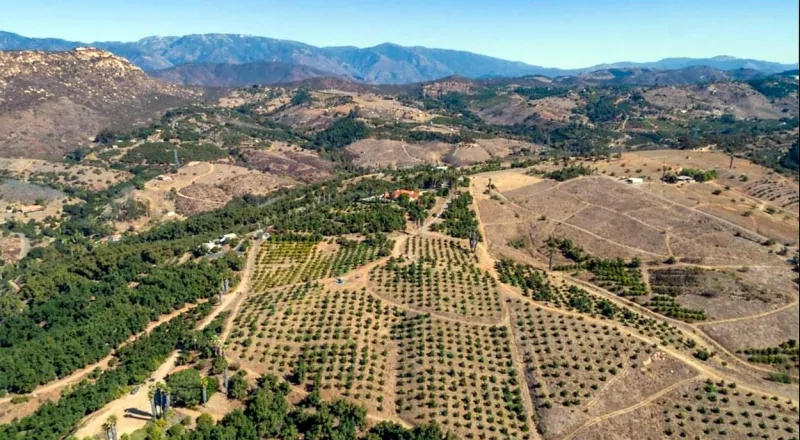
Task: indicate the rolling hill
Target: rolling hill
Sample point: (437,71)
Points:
(50,102)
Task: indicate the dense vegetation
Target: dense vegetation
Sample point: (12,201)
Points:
(341,133)
(569,172)
(80,300)
(267,414)
(539,92)
(459,218)
(791,158)
(79,311)
(135,363)
(699,175)
(774,87)
(163,153)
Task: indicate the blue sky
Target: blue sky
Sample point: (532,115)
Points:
(565,33)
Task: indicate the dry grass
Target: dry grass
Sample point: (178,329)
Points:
(384,153)
(716,99)
(766,331)
(80,176)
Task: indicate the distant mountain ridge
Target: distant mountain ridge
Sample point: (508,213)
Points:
(382,64)
(237,75)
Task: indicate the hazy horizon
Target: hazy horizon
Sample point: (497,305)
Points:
(569,34)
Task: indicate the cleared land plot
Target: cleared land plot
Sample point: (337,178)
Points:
(743,186)
(724,294)
(482,150)
(24,193)
(12,248)
(765,331)
(606,223)
(386,153)
(288,161)
(56,173)
(543,199)
(509,180)
(733,98)
(199,187)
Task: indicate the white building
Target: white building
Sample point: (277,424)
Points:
(633,180)
(227,237)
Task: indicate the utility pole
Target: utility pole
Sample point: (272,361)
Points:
(176,161)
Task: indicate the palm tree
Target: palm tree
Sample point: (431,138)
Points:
(217,344)
(167,402)
(112,424)
(151,393)
(107,430)
(204,384)
(162,398)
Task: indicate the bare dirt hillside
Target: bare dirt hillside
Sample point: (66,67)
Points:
(737,99)
(50,102)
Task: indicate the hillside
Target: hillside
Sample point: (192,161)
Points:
(51,102)
(237,75)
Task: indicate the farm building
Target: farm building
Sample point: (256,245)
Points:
(227,237)
(633,180)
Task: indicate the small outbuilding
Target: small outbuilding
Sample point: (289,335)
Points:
(634,180)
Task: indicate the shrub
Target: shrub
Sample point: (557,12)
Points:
(780,377)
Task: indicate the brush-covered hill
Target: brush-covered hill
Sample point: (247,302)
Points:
(51,102)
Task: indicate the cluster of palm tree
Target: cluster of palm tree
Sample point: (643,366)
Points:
(110,427)
(159,395)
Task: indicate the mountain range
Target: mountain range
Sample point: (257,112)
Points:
(383,64)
